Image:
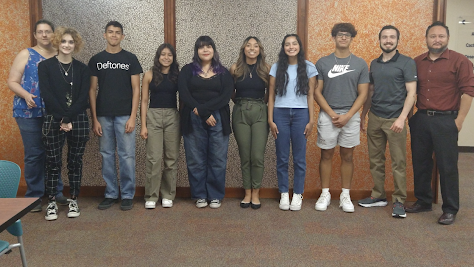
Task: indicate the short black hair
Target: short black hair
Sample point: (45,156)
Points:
(437,23)
(343,27)
(389,27)
(115,24)
(44,21)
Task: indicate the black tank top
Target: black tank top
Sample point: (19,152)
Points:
(163,95)
(250,87)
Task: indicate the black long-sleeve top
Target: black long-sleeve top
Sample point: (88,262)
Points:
(54,88)
(207,95)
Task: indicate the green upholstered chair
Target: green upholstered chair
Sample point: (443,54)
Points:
(10,174)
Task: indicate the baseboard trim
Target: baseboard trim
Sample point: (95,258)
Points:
(466,149)
(230,192)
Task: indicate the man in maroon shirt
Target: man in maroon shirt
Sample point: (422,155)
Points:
(445,89)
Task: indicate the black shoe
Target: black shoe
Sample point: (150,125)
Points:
(415,208)
(127,204)
(107,203)
(255,206)
(62,200)
(447,218)
(244,205)
(37,208)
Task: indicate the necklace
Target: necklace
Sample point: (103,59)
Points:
(68,94)
(350,57)
(252,70)
(206,72)
(65,71)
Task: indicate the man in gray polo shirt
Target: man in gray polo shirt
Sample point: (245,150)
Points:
(391,96)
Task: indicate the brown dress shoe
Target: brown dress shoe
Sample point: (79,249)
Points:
(447,218)
(415,208)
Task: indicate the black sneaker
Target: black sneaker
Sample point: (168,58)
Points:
(38,208)
(373,202)
(62,200)
(127,204)
(51,211)
(74,210)
(107,203)
(398,210)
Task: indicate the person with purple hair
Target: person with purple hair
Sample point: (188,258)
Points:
(205,88)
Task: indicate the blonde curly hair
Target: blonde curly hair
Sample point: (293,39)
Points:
(61,31)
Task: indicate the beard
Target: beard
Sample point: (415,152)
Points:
(437,50)
(389,50)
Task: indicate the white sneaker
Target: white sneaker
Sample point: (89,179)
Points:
(201,203)
(150,205)
(346,203)
(166,203)
(73,209)
(323,202)
(51,211)
(296,202)
(284,201)
(215,204)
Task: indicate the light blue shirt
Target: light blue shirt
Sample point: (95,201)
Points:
(291,99)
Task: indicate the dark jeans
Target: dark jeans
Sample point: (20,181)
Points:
(35,156)
(206,158)
(439,134)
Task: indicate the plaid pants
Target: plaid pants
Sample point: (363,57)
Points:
(53,139)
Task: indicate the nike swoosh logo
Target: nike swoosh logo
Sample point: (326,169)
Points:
(335,74)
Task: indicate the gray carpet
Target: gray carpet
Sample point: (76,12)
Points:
(231,236)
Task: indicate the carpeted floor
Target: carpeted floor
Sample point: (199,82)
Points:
(231,236)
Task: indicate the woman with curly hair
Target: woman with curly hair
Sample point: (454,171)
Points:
(249,117)
(160,127)
(64,84)
(290,115)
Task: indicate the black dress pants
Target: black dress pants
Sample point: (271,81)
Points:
(436,133)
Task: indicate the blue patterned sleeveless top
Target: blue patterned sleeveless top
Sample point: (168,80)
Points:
(29,82)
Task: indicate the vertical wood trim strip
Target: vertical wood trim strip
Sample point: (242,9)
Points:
(439,10)
(170,21)
(36,13)
(302,22)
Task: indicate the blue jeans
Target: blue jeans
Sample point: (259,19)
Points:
(35,157)
(291,123)
(206,158)
(113,135)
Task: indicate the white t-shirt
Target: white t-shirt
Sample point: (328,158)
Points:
(291,99)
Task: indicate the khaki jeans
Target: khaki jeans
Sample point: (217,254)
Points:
(378,133)
(162,144)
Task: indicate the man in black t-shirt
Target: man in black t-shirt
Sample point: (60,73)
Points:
(114,109)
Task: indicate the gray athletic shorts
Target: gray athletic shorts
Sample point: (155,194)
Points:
(329,135)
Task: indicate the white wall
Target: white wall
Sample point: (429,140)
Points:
(456,11)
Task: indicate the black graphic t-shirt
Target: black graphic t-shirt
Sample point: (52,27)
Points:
(114,72)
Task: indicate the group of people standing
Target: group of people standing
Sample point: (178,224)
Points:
(277,99)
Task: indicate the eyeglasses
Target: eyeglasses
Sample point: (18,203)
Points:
(44,32)
(340,35)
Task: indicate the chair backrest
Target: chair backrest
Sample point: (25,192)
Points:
(10,174)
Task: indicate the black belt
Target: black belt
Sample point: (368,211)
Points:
(438,112)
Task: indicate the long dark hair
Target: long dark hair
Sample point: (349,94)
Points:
(242,69)
(156,69)
(281,79)
(216,64)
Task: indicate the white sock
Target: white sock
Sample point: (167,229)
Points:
(325,190)
(345,191)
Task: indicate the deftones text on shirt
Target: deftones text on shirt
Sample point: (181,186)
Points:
(111,65)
